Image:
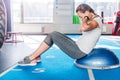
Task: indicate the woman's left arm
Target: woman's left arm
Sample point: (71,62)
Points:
(88,25)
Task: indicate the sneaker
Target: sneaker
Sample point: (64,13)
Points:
(27,62)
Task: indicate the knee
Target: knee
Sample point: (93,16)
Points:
(53,33)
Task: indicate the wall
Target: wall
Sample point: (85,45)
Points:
(47,28)
(28,28)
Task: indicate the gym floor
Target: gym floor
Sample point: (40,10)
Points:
(55,64)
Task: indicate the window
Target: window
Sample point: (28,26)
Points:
(41,11)
(16,10)
(34,11)
(108,7)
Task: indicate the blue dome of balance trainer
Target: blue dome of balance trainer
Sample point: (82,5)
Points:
(98,58)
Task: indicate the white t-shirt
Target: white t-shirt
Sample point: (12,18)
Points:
(89,38)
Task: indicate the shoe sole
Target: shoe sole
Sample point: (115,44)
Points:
(27,64)
(38,60)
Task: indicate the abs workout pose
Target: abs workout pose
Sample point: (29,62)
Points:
(91,29)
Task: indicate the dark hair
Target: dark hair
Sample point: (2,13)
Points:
(84,7)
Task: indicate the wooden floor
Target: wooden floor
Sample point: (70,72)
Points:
(55,65)
(11,53)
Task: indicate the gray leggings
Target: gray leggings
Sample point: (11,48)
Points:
(66,44)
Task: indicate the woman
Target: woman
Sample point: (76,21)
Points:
(91,30)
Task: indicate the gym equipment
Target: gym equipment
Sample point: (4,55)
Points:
(3,20)
(116,28)
(99,58)
(76,19)
(14,37)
